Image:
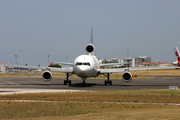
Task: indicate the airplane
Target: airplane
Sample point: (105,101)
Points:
(85,66)
(177,55)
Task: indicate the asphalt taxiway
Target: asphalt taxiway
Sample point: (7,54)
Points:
(29,84)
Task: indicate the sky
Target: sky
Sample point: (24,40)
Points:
(61,29)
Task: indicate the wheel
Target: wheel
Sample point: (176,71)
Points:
(69,82)
(105,82)
(64,82)
(110,82)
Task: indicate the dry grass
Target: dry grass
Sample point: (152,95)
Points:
(89,111)
(131,113)
(92,110)
(149,96)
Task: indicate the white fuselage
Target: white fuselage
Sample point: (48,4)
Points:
(86,66)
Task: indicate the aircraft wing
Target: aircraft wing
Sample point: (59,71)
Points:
(135,69)
(65,70)
(64,63)
(112,64)
(25,67)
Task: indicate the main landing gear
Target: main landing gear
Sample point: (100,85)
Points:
(107,81)
(67,79)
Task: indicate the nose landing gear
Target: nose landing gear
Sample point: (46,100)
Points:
(84,82)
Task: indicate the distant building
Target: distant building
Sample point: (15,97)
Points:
(3,68)
(142,59)
(113,60)
(132,62)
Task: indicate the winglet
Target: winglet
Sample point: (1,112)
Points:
(177,53)
(91,42)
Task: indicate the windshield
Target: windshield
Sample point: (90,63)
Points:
(85,63)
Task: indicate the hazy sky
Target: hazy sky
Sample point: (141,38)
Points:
(61,29)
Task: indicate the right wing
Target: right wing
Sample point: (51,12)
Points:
(64,63)
(65,70)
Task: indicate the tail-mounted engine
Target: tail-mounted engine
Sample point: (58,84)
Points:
(127,76)
(90,49)
(47,76)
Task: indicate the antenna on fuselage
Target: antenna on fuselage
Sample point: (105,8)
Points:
(91,35)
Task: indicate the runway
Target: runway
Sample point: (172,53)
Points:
(30,84)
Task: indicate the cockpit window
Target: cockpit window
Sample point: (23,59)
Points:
(86,64)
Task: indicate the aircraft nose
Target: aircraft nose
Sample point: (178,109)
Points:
(82,71)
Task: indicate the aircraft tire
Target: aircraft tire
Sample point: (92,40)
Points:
(110,82)
(69,82)
(105,82)
(64,82)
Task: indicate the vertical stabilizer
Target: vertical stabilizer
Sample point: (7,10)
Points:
(177,53)
(91,42)
(90,49)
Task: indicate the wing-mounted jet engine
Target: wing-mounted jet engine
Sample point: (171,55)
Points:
(127,76)
(47,76)
(90,49)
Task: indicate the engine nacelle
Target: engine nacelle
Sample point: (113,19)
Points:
(127,76)
(47,76)
(90,49)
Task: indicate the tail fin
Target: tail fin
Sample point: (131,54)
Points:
(177,53)
(91,41)
(90,49)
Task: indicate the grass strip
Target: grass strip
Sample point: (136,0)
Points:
(95,105)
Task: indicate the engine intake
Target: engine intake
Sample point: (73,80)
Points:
(47,76)
(90,49)
(127,76)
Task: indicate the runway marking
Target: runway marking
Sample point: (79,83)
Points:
(7,91)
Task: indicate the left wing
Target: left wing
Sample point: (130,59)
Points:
(102,71)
